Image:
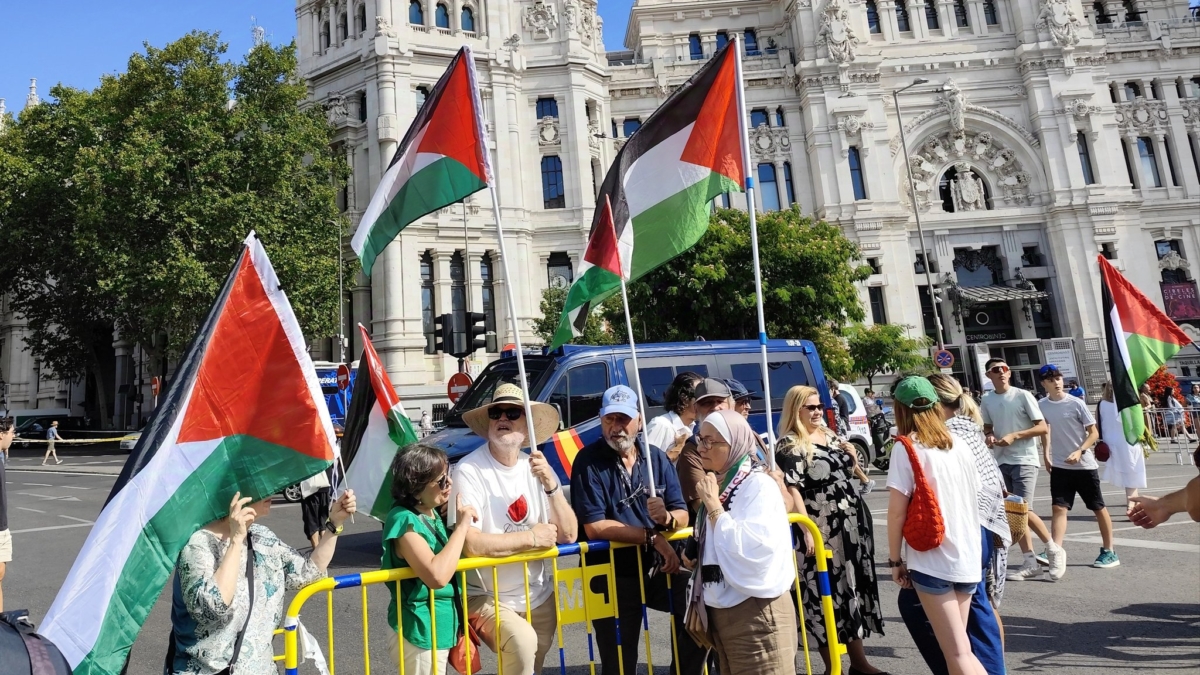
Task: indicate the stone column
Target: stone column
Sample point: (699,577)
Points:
(916,18)
(360,312)
(1165,175)
(887,19)
(780,185)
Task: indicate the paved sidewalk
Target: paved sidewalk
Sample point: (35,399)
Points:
(75,460)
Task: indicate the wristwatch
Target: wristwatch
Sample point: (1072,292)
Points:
(895,563)
(551,493)
(331,528)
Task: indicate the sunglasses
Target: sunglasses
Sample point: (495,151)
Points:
(813,408)
(513,414)
(998,370)
(444,481)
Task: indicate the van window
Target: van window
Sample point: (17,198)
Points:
(750,375)
(578,394)
(494,375)
(654,383)
(785,375)
(699,368)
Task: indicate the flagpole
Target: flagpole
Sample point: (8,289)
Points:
(758,295)
(512,316)
(637,383)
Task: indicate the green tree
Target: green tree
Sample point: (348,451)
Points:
(885,348)
(596,331)
(808,284)
(127,205)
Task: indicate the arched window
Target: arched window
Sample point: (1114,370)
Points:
(360,19)
(960,14)
(343,28)
(902,17)
(553,190)
(695,49)
(467,20)
(873,17)
(990,14)
(324,35)
(931,15)
(416,15)
(441,16)
(752,43)
(945,190)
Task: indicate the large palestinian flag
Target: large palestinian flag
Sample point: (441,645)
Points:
(244,414)
(654,203)
(1140,339)
(376,427)
(442,159)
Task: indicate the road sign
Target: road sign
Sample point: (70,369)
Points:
(343,377)
(155,385)
(944,358)
(457,385)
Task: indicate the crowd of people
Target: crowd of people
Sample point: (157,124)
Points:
(729,588)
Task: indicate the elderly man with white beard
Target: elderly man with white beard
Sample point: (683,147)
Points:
(610,491)
(521,506)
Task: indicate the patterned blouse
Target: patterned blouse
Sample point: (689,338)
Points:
(205,627)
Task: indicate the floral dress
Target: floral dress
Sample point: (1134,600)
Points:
(205,627)
(845,521)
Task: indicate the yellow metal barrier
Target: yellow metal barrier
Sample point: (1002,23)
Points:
(571,606)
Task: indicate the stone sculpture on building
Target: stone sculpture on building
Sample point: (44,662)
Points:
(955,104)
(540,20)
(1060,21)
(836,33)
(967,190)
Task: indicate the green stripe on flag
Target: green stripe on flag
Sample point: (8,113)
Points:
(1146,354)
(595,285)
(1133,423)
(440,184)
(240,463)
(675,224)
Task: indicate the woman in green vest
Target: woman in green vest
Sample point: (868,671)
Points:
(414,535)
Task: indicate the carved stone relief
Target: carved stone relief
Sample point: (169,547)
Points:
(548,131)
(384,27)
(1141,117)
(1079,116)
(336,111)
(983,155)
(770,143)
(1191,113)
(836,34)
(1058,19)
(955,105)
(540,19)
(967,190)
(852,126)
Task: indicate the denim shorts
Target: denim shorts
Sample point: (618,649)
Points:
(935,586)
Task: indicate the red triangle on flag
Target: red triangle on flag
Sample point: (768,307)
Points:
(602,243)
(1139,315)
(715,141)
(453,128)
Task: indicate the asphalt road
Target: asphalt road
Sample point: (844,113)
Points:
(1141,617)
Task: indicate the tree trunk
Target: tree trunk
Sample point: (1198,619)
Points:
(101,392)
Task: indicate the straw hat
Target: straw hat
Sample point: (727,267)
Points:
(545,416)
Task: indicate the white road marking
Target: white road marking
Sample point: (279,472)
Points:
(78,520)
(52,527)
(50,498)
(880,512)
(1135,543)
(74,487)
(33,510)
(38,484)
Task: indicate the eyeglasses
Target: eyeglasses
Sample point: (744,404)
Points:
(998,370)
(513,414)
(707,442)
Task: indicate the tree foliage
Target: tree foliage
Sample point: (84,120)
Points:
(125,207)
(596,331)
(808,278)
(885,348)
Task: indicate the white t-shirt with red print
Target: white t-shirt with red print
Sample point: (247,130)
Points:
(508,499)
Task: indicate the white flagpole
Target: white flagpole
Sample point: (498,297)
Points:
(637,383)
(758,296)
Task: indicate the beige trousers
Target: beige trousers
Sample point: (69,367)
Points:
(759,635)
(418,661)
(522,645)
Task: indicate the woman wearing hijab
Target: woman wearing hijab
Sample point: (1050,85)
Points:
(739,602)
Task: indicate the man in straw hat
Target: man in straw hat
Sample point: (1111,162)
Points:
(521,506)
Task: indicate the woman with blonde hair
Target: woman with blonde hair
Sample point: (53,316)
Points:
(1126,465)
(817,469)
(946,576)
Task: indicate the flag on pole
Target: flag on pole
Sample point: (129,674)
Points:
(442,160)
(376,428)
(654,203)
(1140,339)
(244,414)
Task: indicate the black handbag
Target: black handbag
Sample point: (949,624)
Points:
(169,661)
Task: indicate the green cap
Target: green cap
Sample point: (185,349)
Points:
(916,393)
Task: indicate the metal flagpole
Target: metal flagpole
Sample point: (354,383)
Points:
(758,295)
(512,316)
(637,383)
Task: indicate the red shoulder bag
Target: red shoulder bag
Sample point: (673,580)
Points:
(924,528)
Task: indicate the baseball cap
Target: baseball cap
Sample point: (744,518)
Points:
(619,399)
(915,392)
(740,391)
(712,387)
(1049,371)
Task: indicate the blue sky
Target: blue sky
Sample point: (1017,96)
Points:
(75,42)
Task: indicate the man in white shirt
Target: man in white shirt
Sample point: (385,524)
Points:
(669,431)
(521,507)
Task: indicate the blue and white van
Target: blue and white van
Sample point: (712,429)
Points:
(573,378)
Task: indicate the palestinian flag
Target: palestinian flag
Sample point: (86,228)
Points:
(244,414)
(376,427)
(1140,339)
(654,203)
(442,160)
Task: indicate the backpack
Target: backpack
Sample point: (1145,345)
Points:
(24,652)
(924,528)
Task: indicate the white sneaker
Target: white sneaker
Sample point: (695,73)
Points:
(1029,570)
(1058,561)
(866,488)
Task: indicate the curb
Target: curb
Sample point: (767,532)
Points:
(68,468)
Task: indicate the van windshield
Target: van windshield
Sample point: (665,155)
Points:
(493,376)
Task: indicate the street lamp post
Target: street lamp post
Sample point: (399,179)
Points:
(341,338)
(912,191)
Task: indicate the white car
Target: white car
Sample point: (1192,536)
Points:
(128,444)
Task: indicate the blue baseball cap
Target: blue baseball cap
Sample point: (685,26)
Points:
(1049,371)
(619,399)
(740,391)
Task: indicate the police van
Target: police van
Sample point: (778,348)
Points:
(573,378)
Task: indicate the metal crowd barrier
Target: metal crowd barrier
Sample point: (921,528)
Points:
(575,601)
(1174,430)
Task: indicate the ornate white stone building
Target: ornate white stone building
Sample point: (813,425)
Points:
(1048,132)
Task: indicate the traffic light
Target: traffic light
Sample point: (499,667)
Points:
(467,342)
(443,333)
